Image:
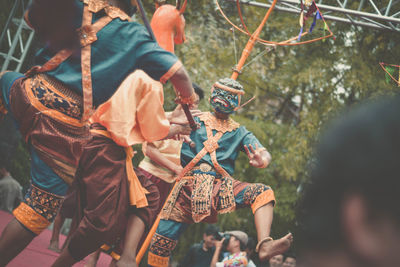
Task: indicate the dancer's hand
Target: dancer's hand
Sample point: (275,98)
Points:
(176,130)
(178,115)
(182,130)
(183,138)
(258,157)
(218,244)
(178,169)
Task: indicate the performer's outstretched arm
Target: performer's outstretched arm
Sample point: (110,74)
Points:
(258,157)
(182,83)
(155,155)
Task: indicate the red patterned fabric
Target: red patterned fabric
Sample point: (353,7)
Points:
(104,209)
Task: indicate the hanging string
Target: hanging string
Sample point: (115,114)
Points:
(282,43)
(247,102)
(266,50)
(234,44)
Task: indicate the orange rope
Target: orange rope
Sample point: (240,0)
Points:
(240,15)
(390,75)
(385,64)
(273,42)
(250,44)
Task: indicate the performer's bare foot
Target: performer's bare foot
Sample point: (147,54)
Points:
(54,246)
(92,260)
(268,249)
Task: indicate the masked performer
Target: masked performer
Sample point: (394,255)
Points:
(206,188)
(161,163)
(79,71)
(109,190)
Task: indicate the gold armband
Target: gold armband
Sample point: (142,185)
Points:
(266,239)
(188,100)
(3,109)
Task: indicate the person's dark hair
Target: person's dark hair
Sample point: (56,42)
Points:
(289,255)
(212,230)
(54,22)
(358,154)
(251,243)
(128,8)
(198,90)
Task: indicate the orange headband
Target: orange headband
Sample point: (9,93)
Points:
(229,89)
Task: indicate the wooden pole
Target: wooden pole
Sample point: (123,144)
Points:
(250,44)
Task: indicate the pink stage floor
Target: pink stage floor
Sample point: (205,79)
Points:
(37,254)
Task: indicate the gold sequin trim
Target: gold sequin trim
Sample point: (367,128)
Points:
(223,126)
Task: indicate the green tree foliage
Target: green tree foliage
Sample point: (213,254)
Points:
(297,89)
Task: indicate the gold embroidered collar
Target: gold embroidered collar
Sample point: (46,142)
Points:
(219,125)
(112,11)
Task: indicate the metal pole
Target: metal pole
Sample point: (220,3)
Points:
(361,5)
(25,52)
(13,45)
(334,18)
(14,8)
(388,8)
(328,8)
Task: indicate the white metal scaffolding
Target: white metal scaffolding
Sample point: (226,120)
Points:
(16,38)
(377,14)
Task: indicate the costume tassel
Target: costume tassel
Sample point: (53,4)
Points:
(301,20)
(308,2)
(300,33)
(317,16)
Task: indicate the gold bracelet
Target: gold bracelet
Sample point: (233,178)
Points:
(3,109)
(266,239)
(188,100)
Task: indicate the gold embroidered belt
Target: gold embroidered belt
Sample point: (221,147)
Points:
(54,99)
(204,179)
(204,168)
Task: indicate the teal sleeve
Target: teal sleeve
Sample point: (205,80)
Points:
(250,139)
(6,81)
(151,58)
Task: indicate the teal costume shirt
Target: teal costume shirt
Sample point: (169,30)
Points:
(229,146)
(121,48)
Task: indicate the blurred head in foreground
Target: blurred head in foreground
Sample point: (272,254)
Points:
(350,214)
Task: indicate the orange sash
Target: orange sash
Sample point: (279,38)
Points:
(137,193)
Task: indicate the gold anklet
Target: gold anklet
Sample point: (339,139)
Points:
(266,239)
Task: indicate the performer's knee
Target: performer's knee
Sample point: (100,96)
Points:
(160,250)
(258,195)
(148,214)
(38,209)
